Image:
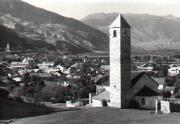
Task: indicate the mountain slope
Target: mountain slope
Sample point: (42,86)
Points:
(19,42)
(34,23)
(148,31)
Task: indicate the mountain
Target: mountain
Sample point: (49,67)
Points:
(19,42)
(149,32)
(39,24)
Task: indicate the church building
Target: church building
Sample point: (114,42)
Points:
(124,86)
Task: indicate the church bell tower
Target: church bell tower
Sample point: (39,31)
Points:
(120,52)
(8,48)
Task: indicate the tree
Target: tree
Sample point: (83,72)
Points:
(18,92)
(57,92)
(167,94)
(170,81)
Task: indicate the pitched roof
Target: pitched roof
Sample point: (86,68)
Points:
(104,81)
(135,76)
(42,75)
(145,91)
(160,81)
(119,22)
(135,73)
(103,95)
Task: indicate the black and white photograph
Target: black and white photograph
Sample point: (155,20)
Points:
(89,61)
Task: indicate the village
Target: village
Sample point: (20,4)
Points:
(60,78)
(57,80)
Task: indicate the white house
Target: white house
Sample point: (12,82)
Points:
(97,100)
(19,64)
(173,70)
(145,68)
(45,64)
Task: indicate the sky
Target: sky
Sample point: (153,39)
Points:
(80,8)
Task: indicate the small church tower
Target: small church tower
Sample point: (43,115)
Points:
(8,48)
(120,51)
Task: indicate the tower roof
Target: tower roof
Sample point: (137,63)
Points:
(120,21)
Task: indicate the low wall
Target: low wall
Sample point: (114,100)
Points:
(70,104)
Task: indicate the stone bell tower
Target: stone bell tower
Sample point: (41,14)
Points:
(120,52)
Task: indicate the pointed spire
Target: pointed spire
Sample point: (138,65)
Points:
(120,21)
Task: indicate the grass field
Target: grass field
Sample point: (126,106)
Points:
(11,109)
(103,116)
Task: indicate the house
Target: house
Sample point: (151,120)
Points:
(145,68)
(104,68)
(19,64)
(62,68)
(45,64)
(144,90)
(102,84)
(173,70)
(140,82)
(146,98)
(161,82)
(27,59)
(51,69)
(97,100)
(17,79)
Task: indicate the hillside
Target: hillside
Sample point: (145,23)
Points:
(12,109)
(39,24)
(148,31)
(19,42)
(104,115)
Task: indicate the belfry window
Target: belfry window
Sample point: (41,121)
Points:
(114,33)
(124,33)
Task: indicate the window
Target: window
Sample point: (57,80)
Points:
(124,33)
(114,33)
(143,101)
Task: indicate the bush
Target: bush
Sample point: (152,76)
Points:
(167,94)
(170,81)
(58,93)
(18,99)
(18,92)
(104,103)
(174,107)
(4,93)
(84,92)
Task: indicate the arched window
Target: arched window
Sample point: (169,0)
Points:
(114,33)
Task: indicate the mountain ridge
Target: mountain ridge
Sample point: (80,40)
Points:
(19,42)
(37,23)
(150,32)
